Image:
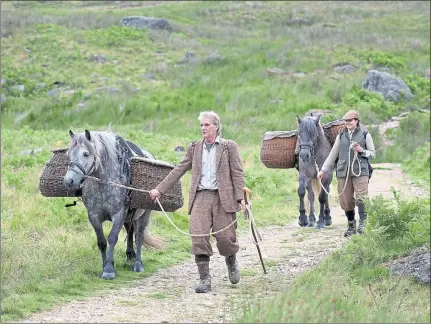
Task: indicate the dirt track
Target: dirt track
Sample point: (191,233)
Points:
(168,295)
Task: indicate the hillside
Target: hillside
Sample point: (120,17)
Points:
(72,65)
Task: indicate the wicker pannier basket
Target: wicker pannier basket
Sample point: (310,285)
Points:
(278,149)
(51,180)
(333,128)
(146,175)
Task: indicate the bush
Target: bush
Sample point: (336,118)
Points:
(385,59)
(402,219)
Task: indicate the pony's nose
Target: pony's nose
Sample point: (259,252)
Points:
(305,157)
(68,182)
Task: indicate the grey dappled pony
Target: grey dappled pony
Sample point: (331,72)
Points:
(106,156)
(314,148)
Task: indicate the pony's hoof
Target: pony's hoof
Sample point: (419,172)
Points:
(108,275)
(310,224)
(328,222)
(138,267)
(303,220)
(320,225)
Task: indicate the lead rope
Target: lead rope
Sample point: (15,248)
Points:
(355,157)
(166,215)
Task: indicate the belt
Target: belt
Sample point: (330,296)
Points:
(208,190)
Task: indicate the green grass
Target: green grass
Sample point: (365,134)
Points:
(49,253)
(353,285)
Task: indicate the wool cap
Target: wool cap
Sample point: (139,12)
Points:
(352,114)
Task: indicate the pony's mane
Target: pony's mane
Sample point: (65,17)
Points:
(308,125)
(102,146)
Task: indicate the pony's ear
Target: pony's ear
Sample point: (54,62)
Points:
(87,134)
(71,134)
(299,120)
(318,119)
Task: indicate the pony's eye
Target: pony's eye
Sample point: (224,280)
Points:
(86,154)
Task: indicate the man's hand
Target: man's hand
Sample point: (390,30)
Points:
(243,208)
(320,174)
(155,194)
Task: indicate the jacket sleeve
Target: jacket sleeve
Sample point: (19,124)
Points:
(236,170)
(330,160)
(185,165)
(370,151)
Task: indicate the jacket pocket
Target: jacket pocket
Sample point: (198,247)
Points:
(341,170)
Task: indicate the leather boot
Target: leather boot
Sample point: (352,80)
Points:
(362,218)
(205,278)
(233,269)
(351,229)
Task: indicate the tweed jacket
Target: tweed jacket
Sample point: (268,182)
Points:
(229,174)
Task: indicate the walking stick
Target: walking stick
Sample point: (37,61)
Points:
(248,191)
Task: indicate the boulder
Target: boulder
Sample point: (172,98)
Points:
(391,87)
(146,22)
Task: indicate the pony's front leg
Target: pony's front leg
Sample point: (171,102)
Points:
(310,192)
(324,205)
(303,219)
(141,223)
(101,240)
(117,224)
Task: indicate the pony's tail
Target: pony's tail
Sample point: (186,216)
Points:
(153,241)
(315,184)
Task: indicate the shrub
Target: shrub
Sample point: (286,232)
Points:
(398,220)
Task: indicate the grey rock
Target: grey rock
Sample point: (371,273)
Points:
(275,71)
(40,85)
(416,264)
(214,57)
(188,57)
(148,76)
(299,74)
(344,68)
(391,87)
(53,92)
(146,22)
(99,58)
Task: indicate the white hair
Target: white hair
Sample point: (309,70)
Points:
(213,117)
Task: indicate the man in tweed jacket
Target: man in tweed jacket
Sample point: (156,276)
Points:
(216,194)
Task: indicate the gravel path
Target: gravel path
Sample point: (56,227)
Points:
(168,295)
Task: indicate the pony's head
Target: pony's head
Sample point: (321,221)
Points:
(85,154)
(308,132)
(83,157)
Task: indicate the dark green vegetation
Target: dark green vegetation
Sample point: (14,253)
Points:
(102,75)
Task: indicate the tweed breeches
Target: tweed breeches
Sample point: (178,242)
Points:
(207,216)
(356,191)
